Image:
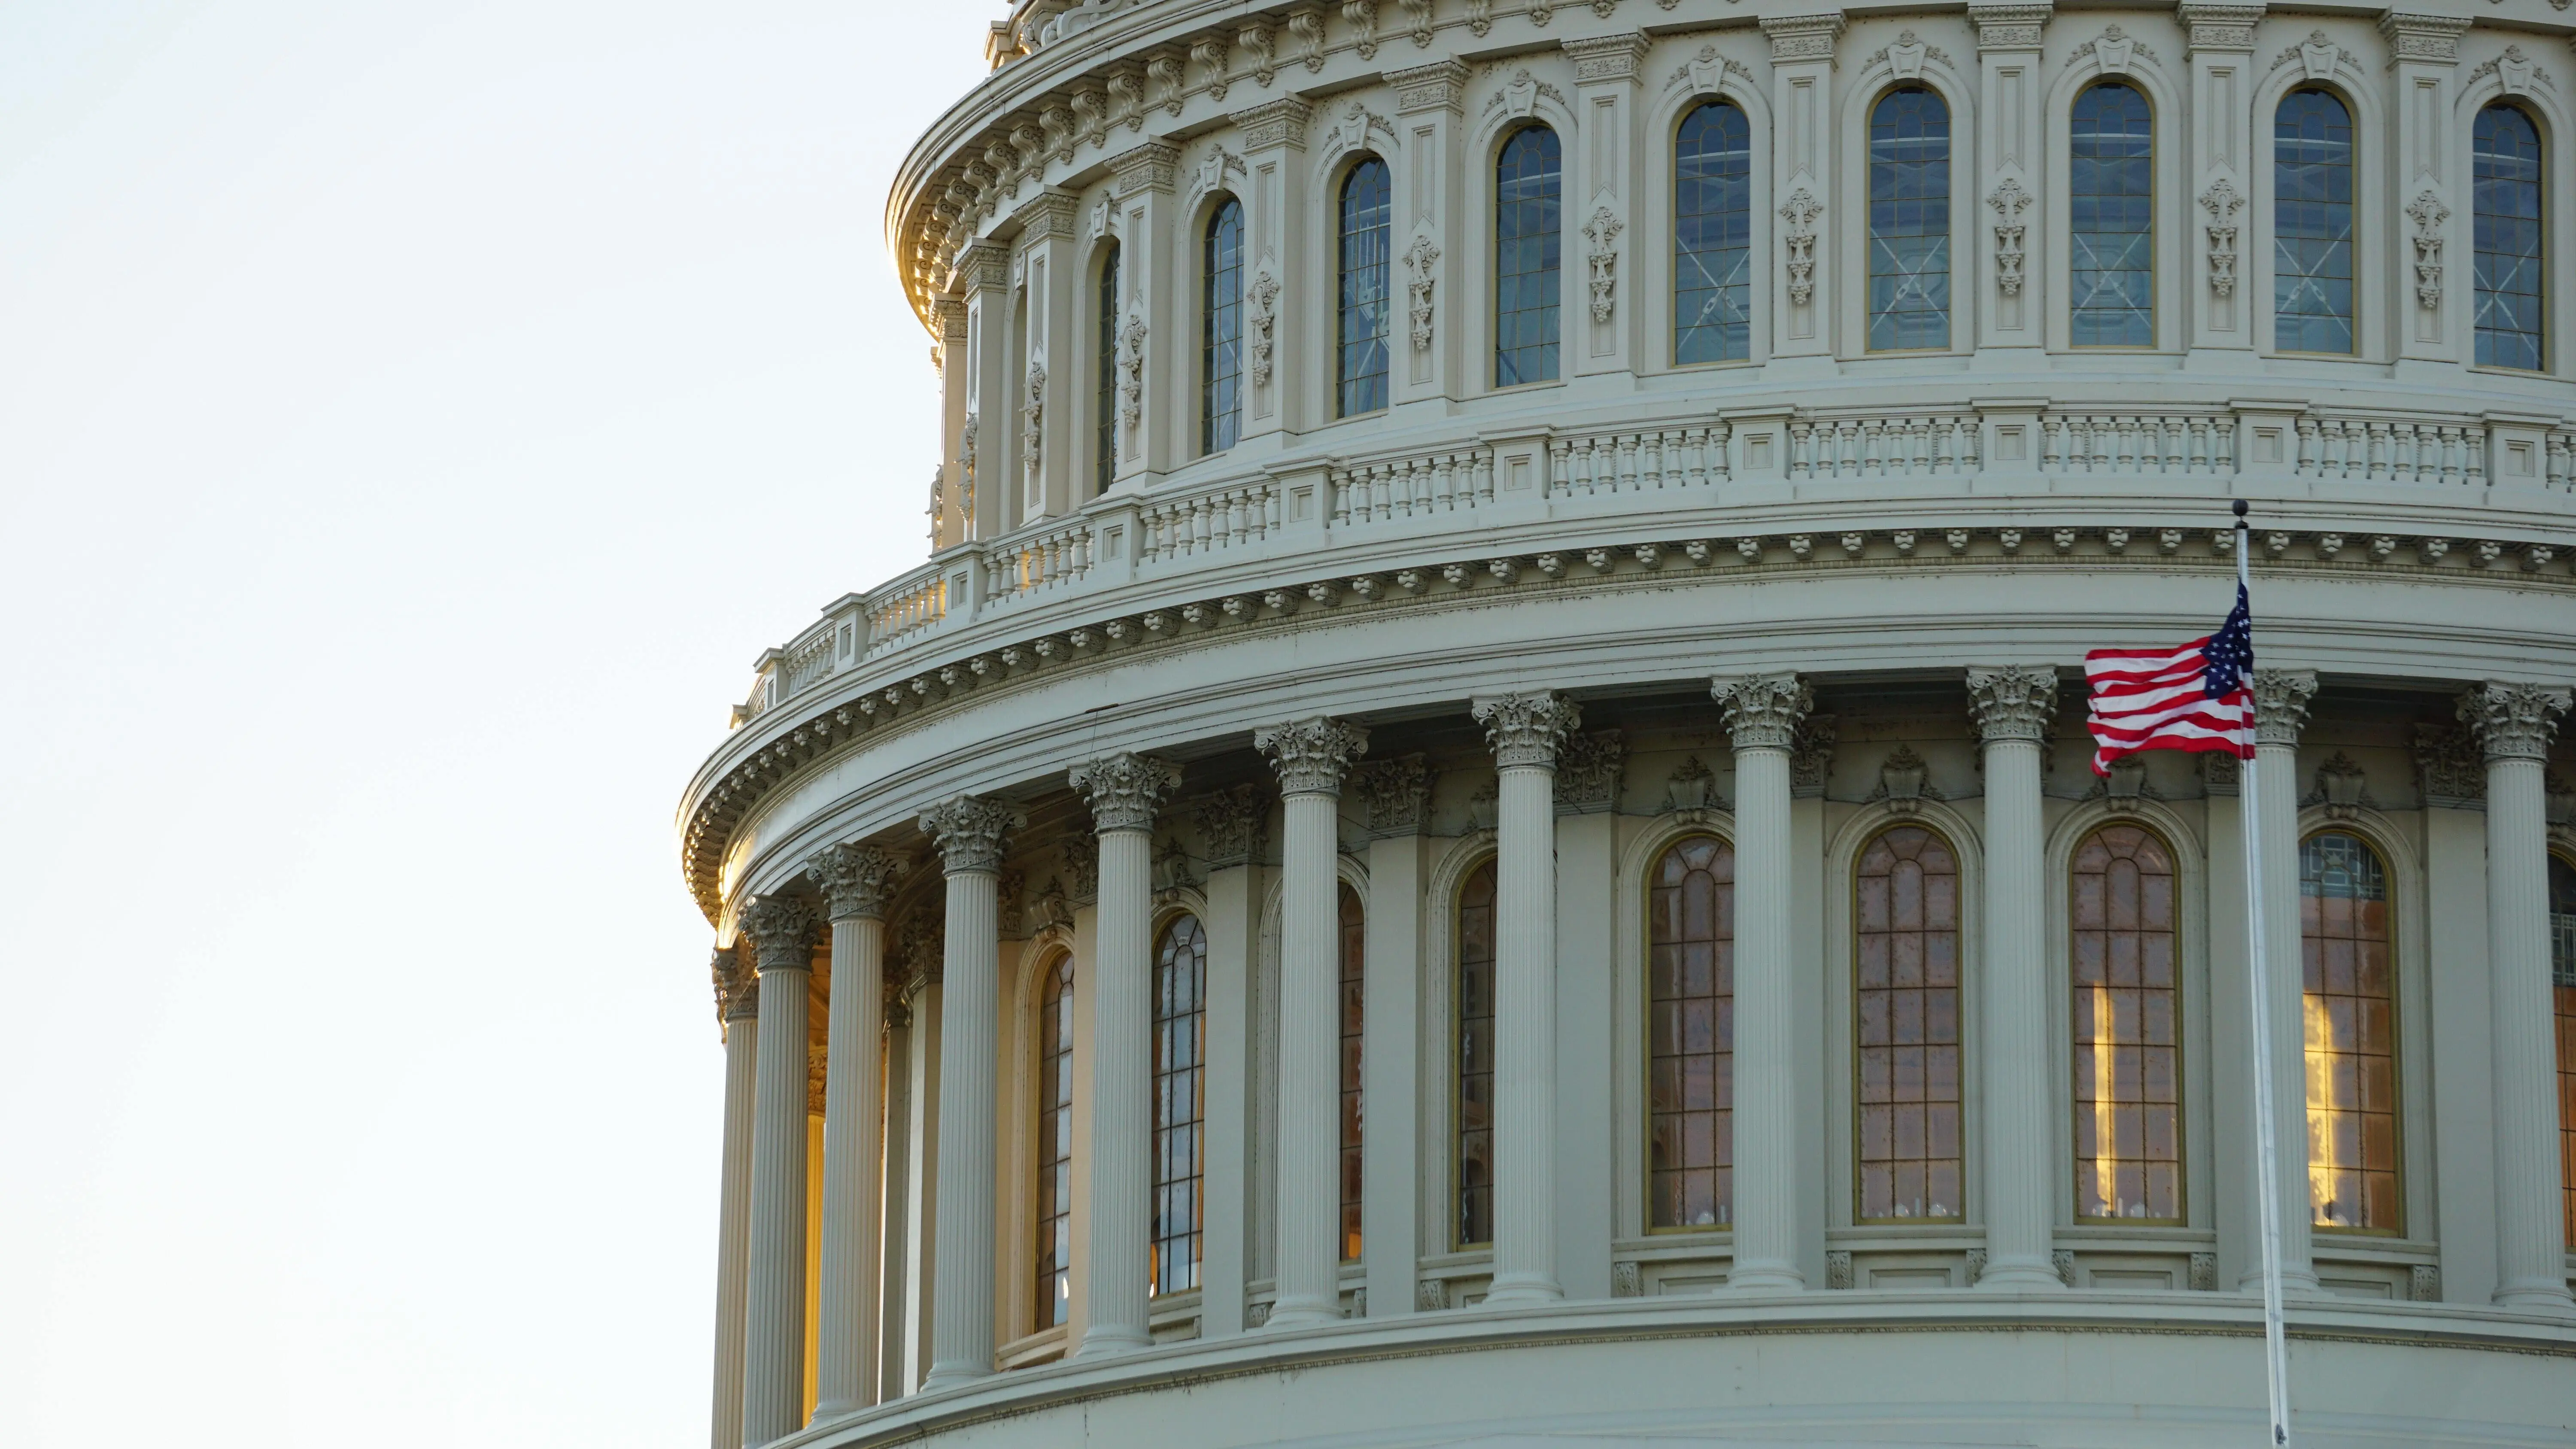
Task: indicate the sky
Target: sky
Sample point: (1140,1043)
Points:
(414,420)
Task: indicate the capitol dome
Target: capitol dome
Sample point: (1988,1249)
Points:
(1479,827)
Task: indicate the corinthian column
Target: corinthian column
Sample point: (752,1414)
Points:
(2280,709)
(1525,730)
(738,1008)
(969,831)
(856,879)
(2513,723)
(782,929)
(1311,756)
(2012,706)
(1124,789)
(1762,712)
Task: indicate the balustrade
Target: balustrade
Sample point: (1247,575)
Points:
(1883,445)
(1056,558)
(2392,449)
(2137,443)
(1228,517)
(1447,482)
(1636,462)
(912,603)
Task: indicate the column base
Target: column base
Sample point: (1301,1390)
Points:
(836,1409)
(1523,1290)
(1106,1341)
(2020,1274)
(2536,1297)
(2293,1280)
(952,1376)
(1303,1310)
(1766,1278)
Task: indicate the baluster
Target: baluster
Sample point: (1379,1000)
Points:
(2450,455)
(1560,476)
(2473,449)
(2557,451)
(1717,453)
(2308,465)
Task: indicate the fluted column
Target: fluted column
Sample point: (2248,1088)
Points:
(1762,712)
(2514,723)
(782,930)
(856,880)
(1124,790)
(969,831)
(2280,709)
(738,1008)
(1526,731)
(2013,706)
(1311,756)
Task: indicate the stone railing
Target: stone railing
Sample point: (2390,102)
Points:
(2138,443)
(1647,461)
(2402,450)
(1457,480)
(1228,516)
(914,602)
(1056,556)
(1883,445)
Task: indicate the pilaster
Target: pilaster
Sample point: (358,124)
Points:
(952,516)
(989,424)
(1154,268)
(1046,404)
(2012,188)
(2430,215)
(1802,285)
(1397,795)
(1275,301)
(2219,172)
(1423,341)
(1601,330)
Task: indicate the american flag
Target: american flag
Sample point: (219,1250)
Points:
(2197,697)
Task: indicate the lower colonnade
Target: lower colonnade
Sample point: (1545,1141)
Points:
(1813,1005)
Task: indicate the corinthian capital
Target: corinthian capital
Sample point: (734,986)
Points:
(968,831)
(783,929)
(1311,755)
(2281,704)
(2013,702)
(1125,789)
(856,880)
(2513,721)
(737,989)
(1762,711)
(1526,729)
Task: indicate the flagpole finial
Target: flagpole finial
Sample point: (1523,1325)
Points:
(2240,512)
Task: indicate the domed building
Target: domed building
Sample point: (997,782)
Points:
(1479,828)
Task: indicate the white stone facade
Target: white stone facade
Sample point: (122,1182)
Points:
(1364,696)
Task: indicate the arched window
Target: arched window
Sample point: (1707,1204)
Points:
(1055,1145)
(1909,222)
(2127,1049)
(1360,359)
(1180,1097)
(1104,386)
(1221,330)
(1474,1054)
(1906,1028)
(2312,224)
(1354,1005)
(2349,1007)
(2562,978)
(1713,236)
(2507,147)
(2111,198)
(1527,181)
(1690,1036)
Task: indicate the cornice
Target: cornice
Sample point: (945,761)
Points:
(899,694)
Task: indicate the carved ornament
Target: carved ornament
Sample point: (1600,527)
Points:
(2513,721)
(1230,822)
(1801,211)
(2014,702)
(783,930)
(1602,231)
(1311,755)
(2281,704)
(969,831)
(1526,730)
(2428,213)
(1587,772)
(1762,711)
(1397,794)
(1125,789)
(857,880)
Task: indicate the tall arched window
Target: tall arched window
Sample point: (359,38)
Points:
(1690,1036)
(2312,177)
(1473,1052)
(1909,221)
(1906,1028)
(1221,330)
(2111,199)
(1527,181)
(1104,384)
(2127,1048)
(1360,358)
(1180,1097)
(2507,148)
(2349,1008)
(1354,941)
(2562,978)
(1054,1293)
(1713,236)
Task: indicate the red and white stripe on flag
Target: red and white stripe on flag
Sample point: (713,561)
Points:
(2159,699)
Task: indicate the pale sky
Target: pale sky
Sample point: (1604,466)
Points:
(414,419)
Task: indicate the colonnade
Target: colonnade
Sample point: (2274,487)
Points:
(761,1278)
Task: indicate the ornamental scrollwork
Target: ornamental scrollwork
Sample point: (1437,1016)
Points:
(1131,372)
(1801,211)
(2222,201)
(1419,259)
(2281,704)
(2014,702)
(1397,794)
(783,930)
(1527,729)
(1763,711)
(1230,823)
(2513,721)
(970,830)
(2428,213)
(1602,231)
(2009,201)
(1033,419)
(1125,789)
(1264,295)
(857,880)
(1311,755)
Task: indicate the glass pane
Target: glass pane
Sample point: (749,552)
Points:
(1527,181)
(1690,1051)
(1474,1222)
(2128,1089)
(1104,388)
(1909,221)
(2508,265)
(1712,236)
(2348,1013)
(1221,331)
(2111,207)
(1180,1091)
(1054,1256)
(1354,943)
(2312,224)
(2562,976)
(1367,210)
(1906,1028)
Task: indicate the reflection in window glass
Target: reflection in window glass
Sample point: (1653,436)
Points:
(1367,210)
(1104,384)
(2507,149)
(2312,224)
(1907,1035)
(2111,206)
(1354,1002)
(1690,1036)
(1713,236)
(1527,180)
(1180,1095)
(2348,1007)
(2562,980)
(1909,221)
(1055,1145)
(1474,1047)
(1221,331)
(2127,1045)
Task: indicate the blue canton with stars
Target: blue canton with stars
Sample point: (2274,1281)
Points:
(2230,651)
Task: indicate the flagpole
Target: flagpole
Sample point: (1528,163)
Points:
(2276,1354)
